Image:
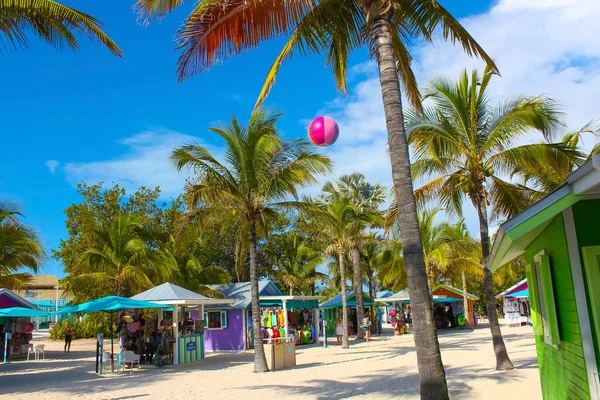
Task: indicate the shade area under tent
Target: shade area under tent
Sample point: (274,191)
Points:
(332,309)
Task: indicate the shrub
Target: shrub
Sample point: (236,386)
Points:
(86,328)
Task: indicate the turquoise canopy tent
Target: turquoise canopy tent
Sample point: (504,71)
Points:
(15,312)
(111,304)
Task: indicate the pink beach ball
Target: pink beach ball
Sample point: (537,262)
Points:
(323,131)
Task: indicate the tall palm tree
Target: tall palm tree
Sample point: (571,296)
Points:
(20,247)
(295,261)
(122,257)
(463,148)
(367,197)
(261,172)
(216,30)
(52,22)
(337,221)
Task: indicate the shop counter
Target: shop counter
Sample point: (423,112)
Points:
(190,349)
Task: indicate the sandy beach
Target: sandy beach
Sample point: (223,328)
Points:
(384,368)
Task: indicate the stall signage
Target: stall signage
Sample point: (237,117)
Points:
(191,346)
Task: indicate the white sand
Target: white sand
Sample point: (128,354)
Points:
(382,369)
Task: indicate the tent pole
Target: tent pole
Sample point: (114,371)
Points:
(112,345)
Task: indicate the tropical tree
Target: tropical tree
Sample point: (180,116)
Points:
(337,222)
(463,146)
(216,30)
(368,198)
(121,257)
(260,174)
(191,270)
(542,181)
(20,247)
(391,269)
(295,261)
(54,23)
(369,254)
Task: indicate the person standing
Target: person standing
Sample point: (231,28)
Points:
(378,321)
(366,326)
(339,331)
(68,336)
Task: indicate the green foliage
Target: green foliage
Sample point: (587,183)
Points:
(295,259)
(87,328)
(20,247)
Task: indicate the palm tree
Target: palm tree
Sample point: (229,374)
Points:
(464,146)
(216,30)
(191,273)
(261,173)
(337,223)
(542,181)
(52,22)
(391,269)
(369,254)
(20,247)
(295,261)
(367,197)
(120,256)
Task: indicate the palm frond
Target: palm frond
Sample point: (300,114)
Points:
(52,22)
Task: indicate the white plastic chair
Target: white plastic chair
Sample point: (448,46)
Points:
(129,357)
(37,350)
(106,362)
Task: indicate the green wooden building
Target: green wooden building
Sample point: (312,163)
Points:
(559,239)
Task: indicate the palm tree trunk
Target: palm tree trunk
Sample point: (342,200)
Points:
(429,360)
(344,302)
(503,362)
(260,362)
(358,289)
(466,301)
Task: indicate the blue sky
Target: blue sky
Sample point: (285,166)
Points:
(68,117)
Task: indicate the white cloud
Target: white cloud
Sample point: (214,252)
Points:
(144,163)
(541,46)
(52,165)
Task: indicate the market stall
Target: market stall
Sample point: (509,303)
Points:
(298,316)
(332,309)
(16,330)
(515,304)
(184,327)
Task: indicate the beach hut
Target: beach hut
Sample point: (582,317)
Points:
(558,239)
(515,304)
(189,346)
(15,333)
(332,308)
(229,325)
(448,294)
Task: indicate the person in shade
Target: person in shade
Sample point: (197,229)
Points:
(68,336)
(366,326)
(378,321)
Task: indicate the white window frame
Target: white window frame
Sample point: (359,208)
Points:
(221,313)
